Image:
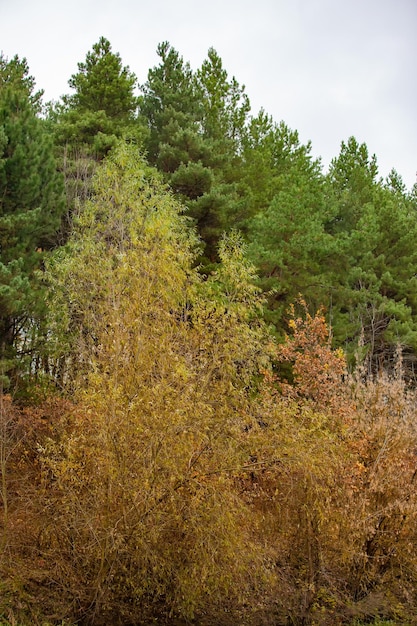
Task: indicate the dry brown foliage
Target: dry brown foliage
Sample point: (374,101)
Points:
(195,500)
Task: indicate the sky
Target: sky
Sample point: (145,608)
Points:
(329,69)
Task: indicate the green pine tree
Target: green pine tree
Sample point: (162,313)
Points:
(371,270)
(196,120)
(103,84)
(288,243)
(31,206)
(104,105)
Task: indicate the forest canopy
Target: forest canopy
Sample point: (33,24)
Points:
(208,349)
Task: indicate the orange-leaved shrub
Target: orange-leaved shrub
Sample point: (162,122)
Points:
(336,484)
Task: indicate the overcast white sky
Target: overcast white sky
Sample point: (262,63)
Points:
(328,68)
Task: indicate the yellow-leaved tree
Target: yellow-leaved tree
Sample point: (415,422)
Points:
(147,518)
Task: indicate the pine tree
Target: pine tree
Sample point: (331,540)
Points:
(103,84)
(104,105)
(225,107)
(287,239)
(196,120)
(31,206)
(352,177)
(371,272)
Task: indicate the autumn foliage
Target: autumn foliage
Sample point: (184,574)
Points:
(185,468)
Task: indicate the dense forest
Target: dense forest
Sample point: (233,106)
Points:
(208,352)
